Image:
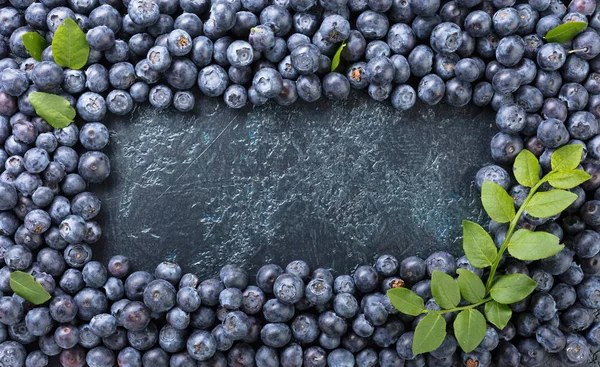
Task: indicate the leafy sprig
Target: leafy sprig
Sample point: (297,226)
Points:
(335,62)
(24,285)
(499,290)
(565,32)
(69,46)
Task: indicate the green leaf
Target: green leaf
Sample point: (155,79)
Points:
(497,314)
(497,203)
(406,301)
(512,288)
(568,179)
(56,110)
(69,47)
(35,44)
(445,290)
(526,169)
(528,245)
(471,286)
(478,245)
(567,157)
(469,329)
(429,334)
(565,32)
(25,286)
(548,203)
(335,62)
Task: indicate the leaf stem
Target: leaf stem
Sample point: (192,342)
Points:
(578,50)
(441,312)
(509,233)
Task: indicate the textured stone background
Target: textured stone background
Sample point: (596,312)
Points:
(334,184)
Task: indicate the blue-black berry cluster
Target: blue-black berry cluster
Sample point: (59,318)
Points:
(489,52)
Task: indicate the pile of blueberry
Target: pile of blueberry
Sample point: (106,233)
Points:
(490,52)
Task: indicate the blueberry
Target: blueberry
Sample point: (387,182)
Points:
(160,295)
(431,89)
(275,335)
(577,350)
(372,25)
(428,7)
(446,38)
(261,38)
(412,269)
(100,38)
(506,147)
(12,353)
(458,93)
(340,358)
(305,59)
(576,317)
(100,356)
(236,325)
(212,80)
(588,44)
(336,86)
(574,95)
(103,325)
(96,78)
(90,302)
(551,56)
(403,97)
(266,275)
(477,357)
(588,292)
(47,76)
(94,274)
(478,23)
(178,318)
(188,299)
(387,334)
(510,118)
(543,306)
(179,42)
(404,346)
(91,106)
(315,357)
(14,82)
(121,75)
(275,310)
(441,261)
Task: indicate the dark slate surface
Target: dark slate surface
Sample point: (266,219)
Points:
(332,184)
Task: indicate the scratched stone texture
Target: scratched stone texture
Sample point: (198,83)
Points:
(333,184)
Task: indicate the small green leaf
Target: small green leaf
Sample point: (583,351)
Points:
(335,62)
(25,286)
(497,203)
(526,169)
(471,286)
(567,157)
(478,245)
(512,288)
(35,44)
(56,110)
(469,329)
(527,245)
(497,314)
(429,334)
(69,47)
(445,290)
(565,32)
(406,301)
(568,179)
(548,203)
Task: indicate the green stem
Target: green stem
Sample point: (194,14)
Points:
(441,312)
(509,233)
